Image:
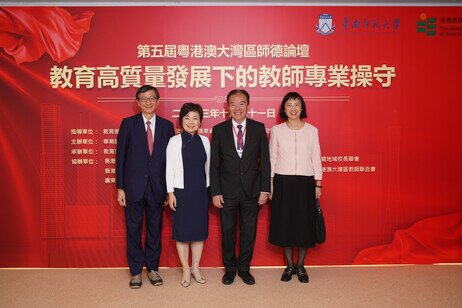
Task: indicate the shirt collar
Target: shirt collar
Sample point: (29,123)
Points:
(153,119)
(235,124)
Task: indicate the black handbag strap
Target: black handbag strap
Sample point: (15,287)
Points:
(318,206)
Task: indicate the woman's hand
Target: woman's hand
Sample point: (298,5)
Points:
(318,192)
(172,201)
(318,188)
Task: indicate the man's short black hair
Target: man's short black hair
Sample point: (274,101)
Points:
(146,88)
(238,91)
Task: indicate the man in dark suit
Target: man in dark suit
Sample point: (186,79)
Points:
(140,181)
(239,182)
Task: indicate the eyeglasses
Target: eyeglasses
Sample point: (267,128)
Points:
(150,99)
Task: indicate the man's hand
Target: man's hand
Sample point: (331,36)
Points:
(121,197)
(271,190)
(262,198)
(166,200)
(218,201)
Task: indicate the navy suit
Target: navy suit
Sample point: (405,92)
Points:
(142,177)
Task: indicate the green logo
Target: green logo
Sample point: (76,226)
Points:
(427,25)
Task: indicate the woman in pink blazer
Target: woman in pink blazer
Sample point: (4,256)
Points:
(296,175)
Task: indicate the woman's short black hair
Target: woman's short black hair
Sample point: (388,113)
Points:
(292,96)
(187,108)
(146,88)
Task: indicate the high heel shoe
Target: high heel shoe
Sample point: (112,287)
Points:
(186,279)
(198,277)
(185,283)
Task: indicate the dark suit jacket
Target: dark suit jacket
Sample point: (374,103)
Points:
(228,171)
(134,165)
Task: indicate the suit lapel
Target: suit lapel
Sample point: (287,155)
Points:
(229,135)
(248,136)
(157,135)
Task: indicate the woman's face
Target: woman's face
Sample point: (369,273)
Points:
(191,122)
(293,109)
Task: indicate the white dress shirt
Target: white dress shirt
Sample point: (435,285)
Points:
(235,130)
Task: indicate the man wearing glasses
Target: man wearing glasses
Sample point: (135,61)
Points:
(140,182)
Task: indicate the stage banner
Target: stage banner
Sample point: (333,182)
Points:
(381,84)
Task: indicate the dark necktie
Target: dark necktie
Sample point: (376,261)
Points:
(149,137)
(239,138)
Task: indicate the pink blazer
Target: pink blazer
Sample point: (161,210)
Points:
(295,152)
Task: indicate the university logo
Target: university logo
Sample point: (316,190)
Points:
(325,26)
(426,25)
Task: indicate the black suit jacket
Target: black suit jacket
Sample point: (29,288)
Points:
(134,165)
(228,171)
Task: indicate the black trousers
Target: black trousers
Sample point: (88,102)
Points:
(247,210)
(134,215)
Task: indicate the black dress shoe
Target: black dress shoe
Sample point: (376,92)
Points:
(228,277)
(247,277)
(302,275)
(287,274)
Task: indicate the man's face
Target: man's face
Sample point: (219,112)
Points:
(148,102)
(238,106)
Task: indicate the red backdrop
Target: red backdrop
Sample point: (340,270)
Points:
(381,84)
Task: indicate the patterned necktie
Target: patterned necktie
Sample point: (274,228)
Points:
(239,138)
(149,137)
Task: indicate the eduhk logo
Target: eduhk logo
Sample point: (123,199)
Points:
(325,25)
(426,25)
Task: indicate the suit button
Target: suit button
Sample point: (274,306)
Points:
(145,176)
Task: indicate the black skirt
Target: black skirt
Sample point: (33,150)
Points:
(293,211)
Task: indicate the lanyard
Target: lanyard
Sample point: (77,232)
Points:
(240,141)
